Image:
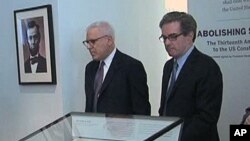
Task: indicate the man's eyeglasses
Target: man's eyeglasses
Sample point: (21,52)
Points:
(90,42)
(171,37)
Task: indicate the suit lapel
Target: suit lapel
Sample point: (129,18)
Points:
(114,66)
(169,69)
(188,65)
(185,70)
(93,73)
(39,65)
(168,72)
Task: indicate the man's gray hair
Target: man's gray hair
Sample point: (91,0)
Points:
(105,27)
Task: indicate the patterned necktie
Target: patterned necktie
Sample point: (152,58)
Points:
(98,84)
(171,84)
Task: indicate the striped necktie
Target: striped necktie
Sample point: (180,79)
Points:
(171,84)
(98,84)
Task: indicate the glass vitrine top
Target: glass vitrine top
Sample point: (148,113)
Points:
(77,126)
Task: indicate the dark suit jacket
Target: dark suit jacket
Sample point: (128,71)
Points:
(124,90)
(41,66)
(196,96)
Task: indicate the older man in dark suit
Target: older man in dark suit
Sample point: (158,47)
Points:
(114,82)
(192,81)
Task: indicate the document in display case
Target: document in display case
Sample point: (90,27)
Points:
(77,126)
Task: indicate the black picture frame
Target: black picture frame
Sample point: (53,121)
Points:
(41,39)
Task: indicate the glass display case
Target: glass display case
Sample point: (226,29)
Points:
(78,126)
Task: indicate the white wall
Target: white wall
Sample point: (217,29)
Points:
(24,109)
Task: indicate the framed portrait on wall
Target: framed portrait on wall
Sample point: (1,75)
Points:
(35,45)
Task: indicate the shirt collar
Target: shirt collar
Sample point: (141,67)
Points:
(184,57)
(109,59)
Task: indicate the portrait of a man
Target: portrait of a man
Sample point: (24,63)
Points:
(35,62)
(35,45)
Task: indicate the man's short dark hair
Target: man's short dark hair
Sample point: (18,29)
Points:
(32,24)
(187,22)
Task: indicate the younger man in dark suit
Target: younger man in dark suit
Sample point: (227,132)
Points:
(196,93)
(36,63)
(114,82)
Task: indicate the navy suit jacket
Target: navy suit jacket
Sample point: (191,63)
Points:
(124,89)
(196,96)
